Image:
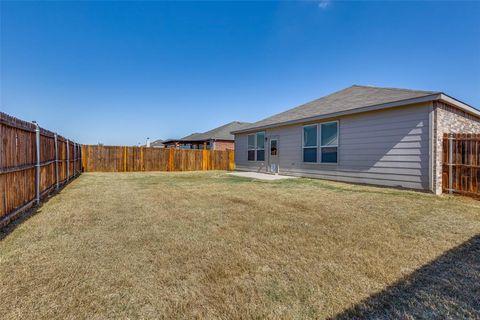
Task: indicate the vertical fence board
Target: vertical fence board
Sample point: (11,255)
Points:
(128,159)
(17,165)
(464,168)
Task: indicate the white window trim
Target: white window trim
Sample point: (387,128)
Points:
(254,146)
(255,149)
(308,147)
(319,143)
(270,147)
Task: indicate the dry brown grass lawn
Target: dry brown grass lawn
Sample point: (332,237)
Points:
(210,245)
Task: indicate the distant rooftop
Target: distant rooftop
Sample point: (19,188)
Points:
(219,133)
(156,143)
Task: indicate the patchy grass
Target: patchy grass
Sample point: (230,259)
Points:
(210,245)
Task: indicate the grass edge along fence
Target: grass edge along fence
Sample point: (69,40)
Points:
(33,163)
(461,164)
(99,158)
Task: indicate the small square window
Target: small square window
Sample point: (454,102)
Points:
(329,155)
(251,155)
(329,134)
(261,140)
(251,141)
(309,154)
(310,136)
(273,148)
(260,155)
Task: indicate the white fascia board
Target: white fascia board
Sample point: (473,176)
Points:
(459,104)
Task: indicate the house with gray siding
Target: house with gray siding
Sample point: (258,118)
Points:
(361,134)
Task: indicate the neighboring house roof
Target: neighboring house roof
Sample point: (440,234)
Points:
(193,135)
(156,143)
(220,133)
(354,99)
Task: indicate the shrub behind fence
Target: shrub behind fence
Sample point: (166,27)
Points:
(25,175)
(129,159)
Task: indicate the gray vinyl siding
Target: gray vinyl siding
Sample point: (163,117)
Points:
(388,147)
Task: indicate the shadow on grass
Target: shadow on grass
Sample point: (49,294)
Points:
(446,288)
(25,215)
(28,213)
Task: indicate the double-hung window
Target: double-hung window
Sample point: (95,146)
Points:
(251,147)
(329,142)
(310,147)
(320,142)
(256,146)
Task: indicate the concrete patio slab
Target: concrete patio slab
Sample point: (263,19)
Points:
(260,176)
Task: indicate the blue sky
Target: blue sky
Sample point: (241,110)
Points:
(117,72)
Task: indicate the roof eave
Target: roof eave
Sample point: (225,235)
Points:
(459,104)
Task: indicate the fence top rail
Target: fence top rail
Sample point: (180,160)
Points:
(14,122)
(462,136)
(144,147)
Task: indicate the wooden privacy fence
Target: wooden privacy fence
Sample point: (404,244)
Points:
(128,159)
(33,162)
(461,164)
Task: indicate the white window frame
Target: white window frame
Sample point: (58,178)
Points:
(308,147)
(270,147)
(319,157)
(254,146)
(319,145)
(255,149)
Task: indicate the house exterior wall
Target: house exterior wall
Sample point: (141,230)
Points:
(449,120)
(224,145)
(388,147)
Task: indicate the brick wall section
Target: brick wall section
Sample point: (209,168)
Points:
(224,145)
(448,120)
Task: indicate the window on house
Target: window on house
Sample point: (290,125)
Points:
(260,146)
(329,142)
(251,147)
(256,146)
(310,143)
(327,150)
(273,147)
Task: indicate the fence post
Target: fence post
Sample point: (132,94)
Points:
(125,159)
(56,162)
(74,159)
(171,159)
(68,163)
(37,166)
(231,160)
(204,159)
(450,163)
(81,159)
